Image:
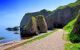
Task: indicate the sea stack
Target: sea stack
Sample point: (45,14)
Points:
(41,24)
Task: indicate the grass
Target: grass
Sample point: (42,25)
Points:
(74,4)
(70,46)
(71,5)
(68,28)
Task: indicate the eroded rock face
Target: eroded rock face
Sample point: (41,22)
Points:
(56,19)
(28,16)
(30,28)
(35,25)
(41,24)
(26,20)
(60,17)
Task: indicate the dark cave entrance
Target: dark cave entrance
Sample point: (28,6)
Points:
(38,29)
(58,25)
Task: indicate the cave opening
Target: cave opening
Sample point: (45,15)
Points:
(58,25)
(38,29)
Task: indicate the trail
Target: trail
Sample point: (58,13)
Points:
(51,42)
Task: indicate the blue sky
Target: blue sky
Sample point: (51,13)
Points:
(12,11)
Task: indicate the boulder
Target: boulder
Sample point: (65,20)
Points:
(26,20)
(30,28)
(41,24)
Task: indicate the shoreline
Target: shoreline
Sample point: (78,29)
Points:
(9,43)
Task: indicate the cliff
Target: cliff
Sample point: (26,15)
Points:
(41,24)
(28,16)
(54,19)
(62,15)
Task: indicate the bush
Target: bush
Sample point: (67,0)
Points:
(74,38)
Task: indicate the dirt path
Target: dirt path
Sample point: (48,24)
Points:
(52,42)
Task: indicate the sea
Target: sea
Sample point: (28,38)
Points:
(8,35)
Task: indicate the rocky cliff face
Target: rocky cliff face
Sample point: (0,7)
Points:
(60,17)
(41,24)
(56,19)
(29,29)
(26,20)
(34,26)
(28,16)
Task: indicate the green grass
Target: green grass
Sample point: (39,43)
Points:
(71,5)
(61,7)
(70,46)
(68,28)
(74,4)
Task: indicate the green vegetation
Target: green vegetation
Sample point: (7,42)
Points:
(74,38)
(74,4)
(71,37)
(68,28)
(70,46)
(71,5)
(61,7)
(75,33)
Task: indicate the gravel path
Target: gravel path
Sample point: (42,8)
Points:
(51,42)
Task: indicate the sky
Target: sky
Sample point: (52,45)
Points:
(12,11)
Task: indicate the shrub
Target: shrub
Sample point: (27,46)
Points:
(74,38)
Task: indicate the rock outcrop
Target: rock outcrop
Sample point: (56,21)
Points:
(28,16)
(30,28)
(60,17)
(41,24)
(34,26)
(26,21)
(56,19)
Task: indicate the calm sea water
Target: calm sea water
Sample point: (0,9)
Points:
(8,35)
